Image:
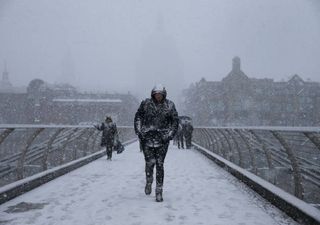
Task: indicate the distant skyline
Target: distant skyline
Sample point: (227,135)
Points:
(64,70)
(118,45)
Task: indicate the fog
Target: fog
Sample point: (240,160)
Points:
(123,46)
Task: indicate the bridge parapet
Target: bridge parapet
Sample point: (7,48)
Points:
(287,157)
(26,150)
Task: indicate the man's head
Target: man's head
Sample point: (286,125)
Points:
(158,93)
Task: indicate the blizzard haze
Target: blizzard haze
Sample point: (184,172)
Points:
(122,46)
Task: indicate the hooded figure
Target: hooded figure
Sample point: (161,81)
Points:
(109,135)
(156,123)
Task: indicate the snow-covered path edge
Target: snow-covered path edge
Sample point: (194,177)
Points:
(294,207)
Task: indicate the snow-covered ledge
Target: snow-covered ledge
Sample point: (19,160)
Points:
(294,207)
(17,188)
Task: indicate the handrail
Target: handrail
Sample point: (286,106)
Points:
(299,129)
(288,157)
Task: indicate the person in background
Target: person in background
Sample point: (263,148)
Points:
(188,134)
(109,135)
(179,136)
(156,123)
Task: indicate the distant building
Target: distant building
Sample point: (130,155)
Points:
(238,100)
(63,104)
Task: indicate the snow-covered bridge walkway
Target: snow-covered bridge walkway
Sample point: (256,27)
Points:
(196,191)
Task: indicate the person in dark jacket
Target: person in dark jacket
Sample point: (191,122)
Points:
(155,123)
(109,135)
(188,134)
(179,136)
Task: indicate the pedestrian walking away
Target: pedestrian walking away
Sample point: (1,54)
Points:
(155,123)
(179,136)
(188,129)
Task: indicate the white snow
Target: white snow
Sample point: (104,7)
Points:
(196,191)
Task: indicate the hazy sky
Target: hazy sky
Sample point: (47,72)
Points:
(123,45)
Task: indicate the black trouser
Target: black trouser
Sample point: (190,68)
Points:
(188,140)
(180,141)
(155,157)
(109,149)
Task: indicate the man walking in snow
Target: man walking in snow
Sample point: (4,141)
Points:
(156,123)
(188,134)
(109,135)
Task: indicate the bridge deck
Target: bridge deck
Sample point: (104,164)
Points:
(196,191)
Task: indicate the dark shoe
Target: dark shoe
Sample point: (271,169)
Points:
(148,188)
(159,194)
(159,197)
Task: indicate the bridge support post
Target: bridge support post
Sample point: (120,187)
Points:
(298,188)
(251,153)
(21,161)
(47,150)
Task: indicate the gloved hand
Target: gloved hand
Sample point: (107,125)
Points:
(142,133)
(166,138)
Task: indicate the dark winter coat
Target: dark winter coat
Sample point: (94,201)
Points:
(188,129)
(109,133)
(156,123)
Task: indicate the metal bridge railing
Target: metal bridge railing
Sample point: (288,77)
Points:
(286,157)
(29,149)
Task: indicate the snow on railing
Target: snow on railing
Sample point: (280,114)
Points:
(288,157)
(29,149)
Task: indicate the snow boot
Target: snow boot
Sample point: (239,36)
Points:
(159,195)
(148,188)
